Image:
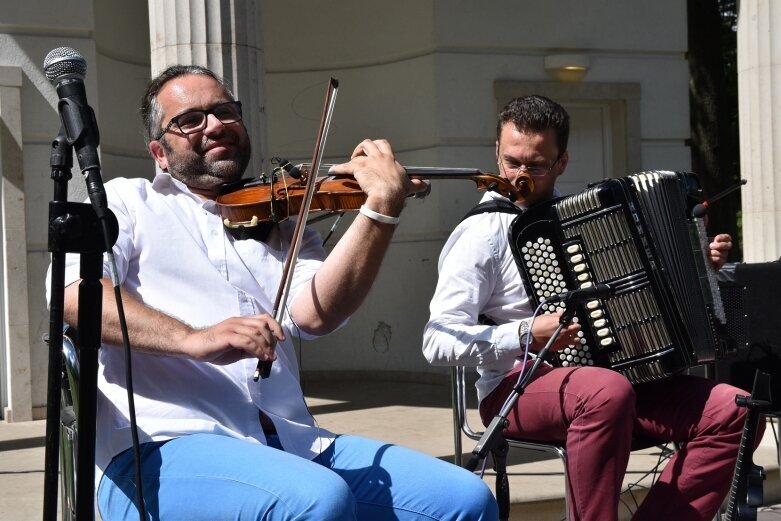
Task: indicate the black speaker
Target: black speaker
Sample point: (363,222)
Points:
(751,294)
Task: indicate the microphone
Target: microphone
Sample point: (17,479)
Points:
(285,165)
(65,68)
(577,296)
(701,209)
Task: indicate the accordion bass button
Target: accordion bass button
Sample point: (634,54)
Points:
(579,268)
(583,277)
(573,248)
(604,332)
(597,313)
(576,258)
(606,342)
(592,304)
(586,284)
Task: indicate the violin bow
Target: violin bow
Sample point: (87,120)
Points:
(263,369)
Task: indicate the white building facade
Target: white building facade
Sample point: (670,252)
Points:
(428,75)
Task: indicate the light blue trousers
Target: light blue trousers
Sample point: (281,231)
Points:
(216,478)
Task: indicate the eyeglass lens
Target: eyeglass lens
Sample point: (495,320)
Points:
(195,120)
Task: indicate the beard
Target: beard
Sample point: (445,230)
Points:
(196,170)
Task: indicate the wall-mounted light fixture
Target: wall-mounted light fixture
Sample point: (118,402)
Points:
(567,67)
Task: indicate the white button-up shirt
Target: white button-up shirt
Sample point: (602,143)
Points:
(174,255)
(478,276)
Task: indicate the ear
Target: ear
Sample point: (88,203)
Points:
(562,164)
(158,154)
(496,151)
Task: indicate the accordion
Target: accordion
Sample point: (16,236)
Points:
(635,235)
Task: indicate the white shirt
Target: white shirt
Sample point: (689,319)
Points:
(478,275)
(174,255)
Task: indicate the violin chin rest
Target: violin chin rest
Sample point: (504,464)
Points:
(253,230)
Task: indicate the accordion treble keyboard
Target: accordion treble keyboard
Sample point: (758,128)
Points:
(647,329)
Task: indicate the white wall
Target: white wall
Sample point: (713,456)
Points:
(113,39)
(421,73)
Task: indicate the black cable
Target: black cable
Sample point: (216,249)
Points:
(128,375)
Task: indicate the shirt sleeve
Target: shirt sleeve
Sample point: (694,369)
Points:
(468,275)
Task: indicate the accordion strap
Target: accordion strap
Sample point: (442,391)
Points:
(494,205)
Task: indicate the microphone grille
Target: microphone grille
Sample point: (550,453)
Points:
(64,62)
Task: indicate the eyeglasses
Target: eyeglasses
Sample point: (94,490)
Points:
(194,121)
(532,170)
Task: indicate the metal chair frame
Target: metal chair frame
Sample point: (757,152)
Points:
(68,428)
(461,425)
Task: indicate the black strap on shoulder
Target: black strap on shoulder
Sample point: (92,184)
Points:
(494,205)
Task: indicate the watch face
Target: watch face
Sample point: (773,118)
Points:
(523,331)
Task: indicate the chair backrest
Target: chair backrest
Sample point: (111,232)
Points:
(459,389)
(69,405)
(460,423)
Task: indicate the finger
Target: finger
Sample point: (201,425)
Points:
(255,339)
(231,356)
(275,328)
(419,186)
(383,146)
(365,148)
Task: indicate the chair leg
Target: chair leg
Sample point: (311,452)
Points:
(499,454)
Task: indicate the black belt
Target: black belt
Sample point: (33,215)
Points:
(266,423)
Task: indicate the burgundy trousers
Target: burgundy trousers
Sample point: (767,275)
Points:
(596,412)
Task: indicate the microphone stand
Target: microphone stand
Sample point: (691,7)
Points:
(74,228)
(492,439)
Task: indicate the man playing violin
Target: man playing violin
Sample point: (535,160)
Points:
(595,411)
(215,443)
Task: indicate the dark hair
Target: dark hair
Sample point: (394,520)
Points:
(150,109)
(537,114)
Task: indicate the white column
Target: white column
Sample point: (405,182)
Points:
(16,333)
(224,36)
(759,94)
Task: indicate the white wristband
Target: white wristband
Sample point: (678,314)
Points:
(371,214)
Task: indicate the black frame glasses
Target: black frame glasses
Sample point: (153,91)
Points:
(194,121)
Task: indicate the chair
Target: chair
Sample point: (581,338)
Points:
(69,404)
(461,425)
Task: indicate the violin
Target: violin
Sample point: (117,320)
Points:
(276,198)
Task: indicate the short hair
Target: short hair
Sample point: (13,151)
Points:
(536,113)
(150,108)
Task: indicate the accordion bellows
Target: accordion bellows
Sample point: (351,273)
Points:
(635,234)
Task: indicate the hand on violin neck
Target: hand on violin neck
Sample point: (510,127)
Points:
(383,180)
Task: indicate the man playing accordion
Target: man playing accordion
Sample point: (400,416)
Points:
(595,411)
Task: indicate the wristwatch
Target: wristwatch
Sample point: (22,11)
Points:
(524,333)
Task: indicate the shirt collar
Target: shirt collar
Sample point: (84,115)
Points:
(163,182)
(495,195)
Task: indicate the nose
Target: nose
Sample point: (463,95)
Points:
(213,124)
